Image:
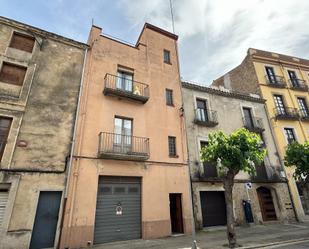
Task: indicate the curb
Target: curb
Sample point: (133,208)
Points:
(275,243)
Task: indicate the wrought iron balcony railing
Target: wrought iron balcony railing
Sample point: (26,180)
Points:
(126,88)
(206,117)
(123,147)
(304,115)
(286,113)
(298,84)
(255,124)
(275,81)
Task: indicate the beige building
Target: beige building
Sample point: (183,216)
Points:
(208,109)
(129,177)
(40,74)
(283,82)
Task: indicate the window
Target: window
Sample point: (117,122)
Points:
(167,56)
(4,196)
(5,125)
(210,169)
(201,110)
(293,78)
(169,97)
(22,42)
(279,104)
(172,146)
(124,81)
(123,135)
(12,74)
(290,136)
(248,117)
(303,107)
(271,75)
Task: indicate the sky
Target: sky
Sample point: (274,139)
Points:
(214,35)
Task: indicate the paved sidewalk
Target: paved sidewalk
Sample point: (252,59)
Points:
(250,237)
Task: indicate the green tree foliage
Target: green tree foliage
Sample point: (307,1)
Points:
(240,151)
(298,155)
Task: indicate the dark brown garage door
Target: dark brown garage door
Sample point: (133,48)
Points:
(213,208)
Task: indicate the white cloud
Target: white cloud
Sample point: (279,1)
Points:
(223,30)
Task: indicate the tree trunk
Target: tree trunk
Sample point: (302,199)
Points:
(228,186)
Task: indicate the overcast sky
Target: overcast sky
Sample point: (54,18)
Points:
(214,35)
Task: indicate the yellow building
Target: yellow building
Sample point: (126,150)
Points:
(283,81)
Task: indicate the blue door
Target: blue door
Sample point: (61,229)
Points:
(46,219)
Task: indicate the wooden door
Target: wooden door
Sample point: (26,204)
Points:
(176,213)
(266,204)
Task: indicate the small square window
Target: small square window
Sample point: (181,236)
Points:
(22,42)
(167,56)
(12,74)
(172,146)
(169,97)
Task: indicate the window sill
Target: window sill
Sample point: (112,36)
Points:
(172,105)
(169,63)
(173,156)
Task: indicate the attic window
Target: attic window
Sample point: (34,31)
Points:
(22,42)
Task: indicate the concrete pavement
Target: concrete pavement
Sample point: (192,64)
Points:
(256,236)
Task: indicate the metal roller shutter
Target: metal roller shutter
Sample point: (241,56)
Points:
(118,212)
(4,195)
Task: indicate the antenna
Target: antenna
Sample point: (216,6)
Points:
(172,15)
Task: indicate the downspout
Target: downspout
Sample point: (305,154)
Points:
(281,162)
(183,119)
(69,166)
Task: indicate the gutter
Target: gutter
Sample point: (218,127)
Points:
(69,165)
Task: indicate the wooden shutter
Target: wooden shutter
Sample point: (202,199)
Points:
(4,194)
(12,74)
(22,42)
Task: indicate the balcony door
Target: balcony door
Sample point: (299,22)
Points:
(271,75)
(201,110)
(293,78)
(124,81)
(279,104)
(303,107)
(248,118)
(123,135)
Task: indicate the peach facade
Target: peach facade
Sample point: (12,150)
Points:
(160,173)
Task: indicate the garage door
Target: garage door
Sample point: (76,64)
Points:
(213,208)
(118,212)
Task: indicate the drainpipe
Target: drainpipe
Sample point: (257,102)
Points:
(281,161)
(194,244)
(69,166)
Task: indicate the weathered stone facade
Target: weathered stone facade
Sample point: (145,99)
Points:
(228,106)
(43,112)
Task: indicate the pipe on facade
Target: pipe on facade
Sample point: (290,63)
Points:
(281,162)
(69,165)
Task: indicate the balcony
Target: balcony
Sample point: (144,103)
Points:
(275,81)
(287,113)
(254,125)
(123,147)
(298,85)
(125,88)
(304,115)
(205,117)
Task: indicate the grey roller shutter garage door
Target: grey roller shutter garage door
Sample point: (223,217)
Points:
(118,212)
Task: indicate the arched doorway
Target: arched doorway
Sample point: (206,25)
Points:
(266,204)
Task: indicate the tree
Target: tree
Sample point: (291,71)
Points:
(298,155)
(239,151)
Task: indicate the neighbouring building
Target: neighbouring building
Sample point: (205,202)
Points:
(208,109)
(40,76)
(130,177)
(283,81)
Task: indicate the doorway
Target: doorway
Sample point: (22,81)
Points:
(176,213)
(266,204)
(46,219)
